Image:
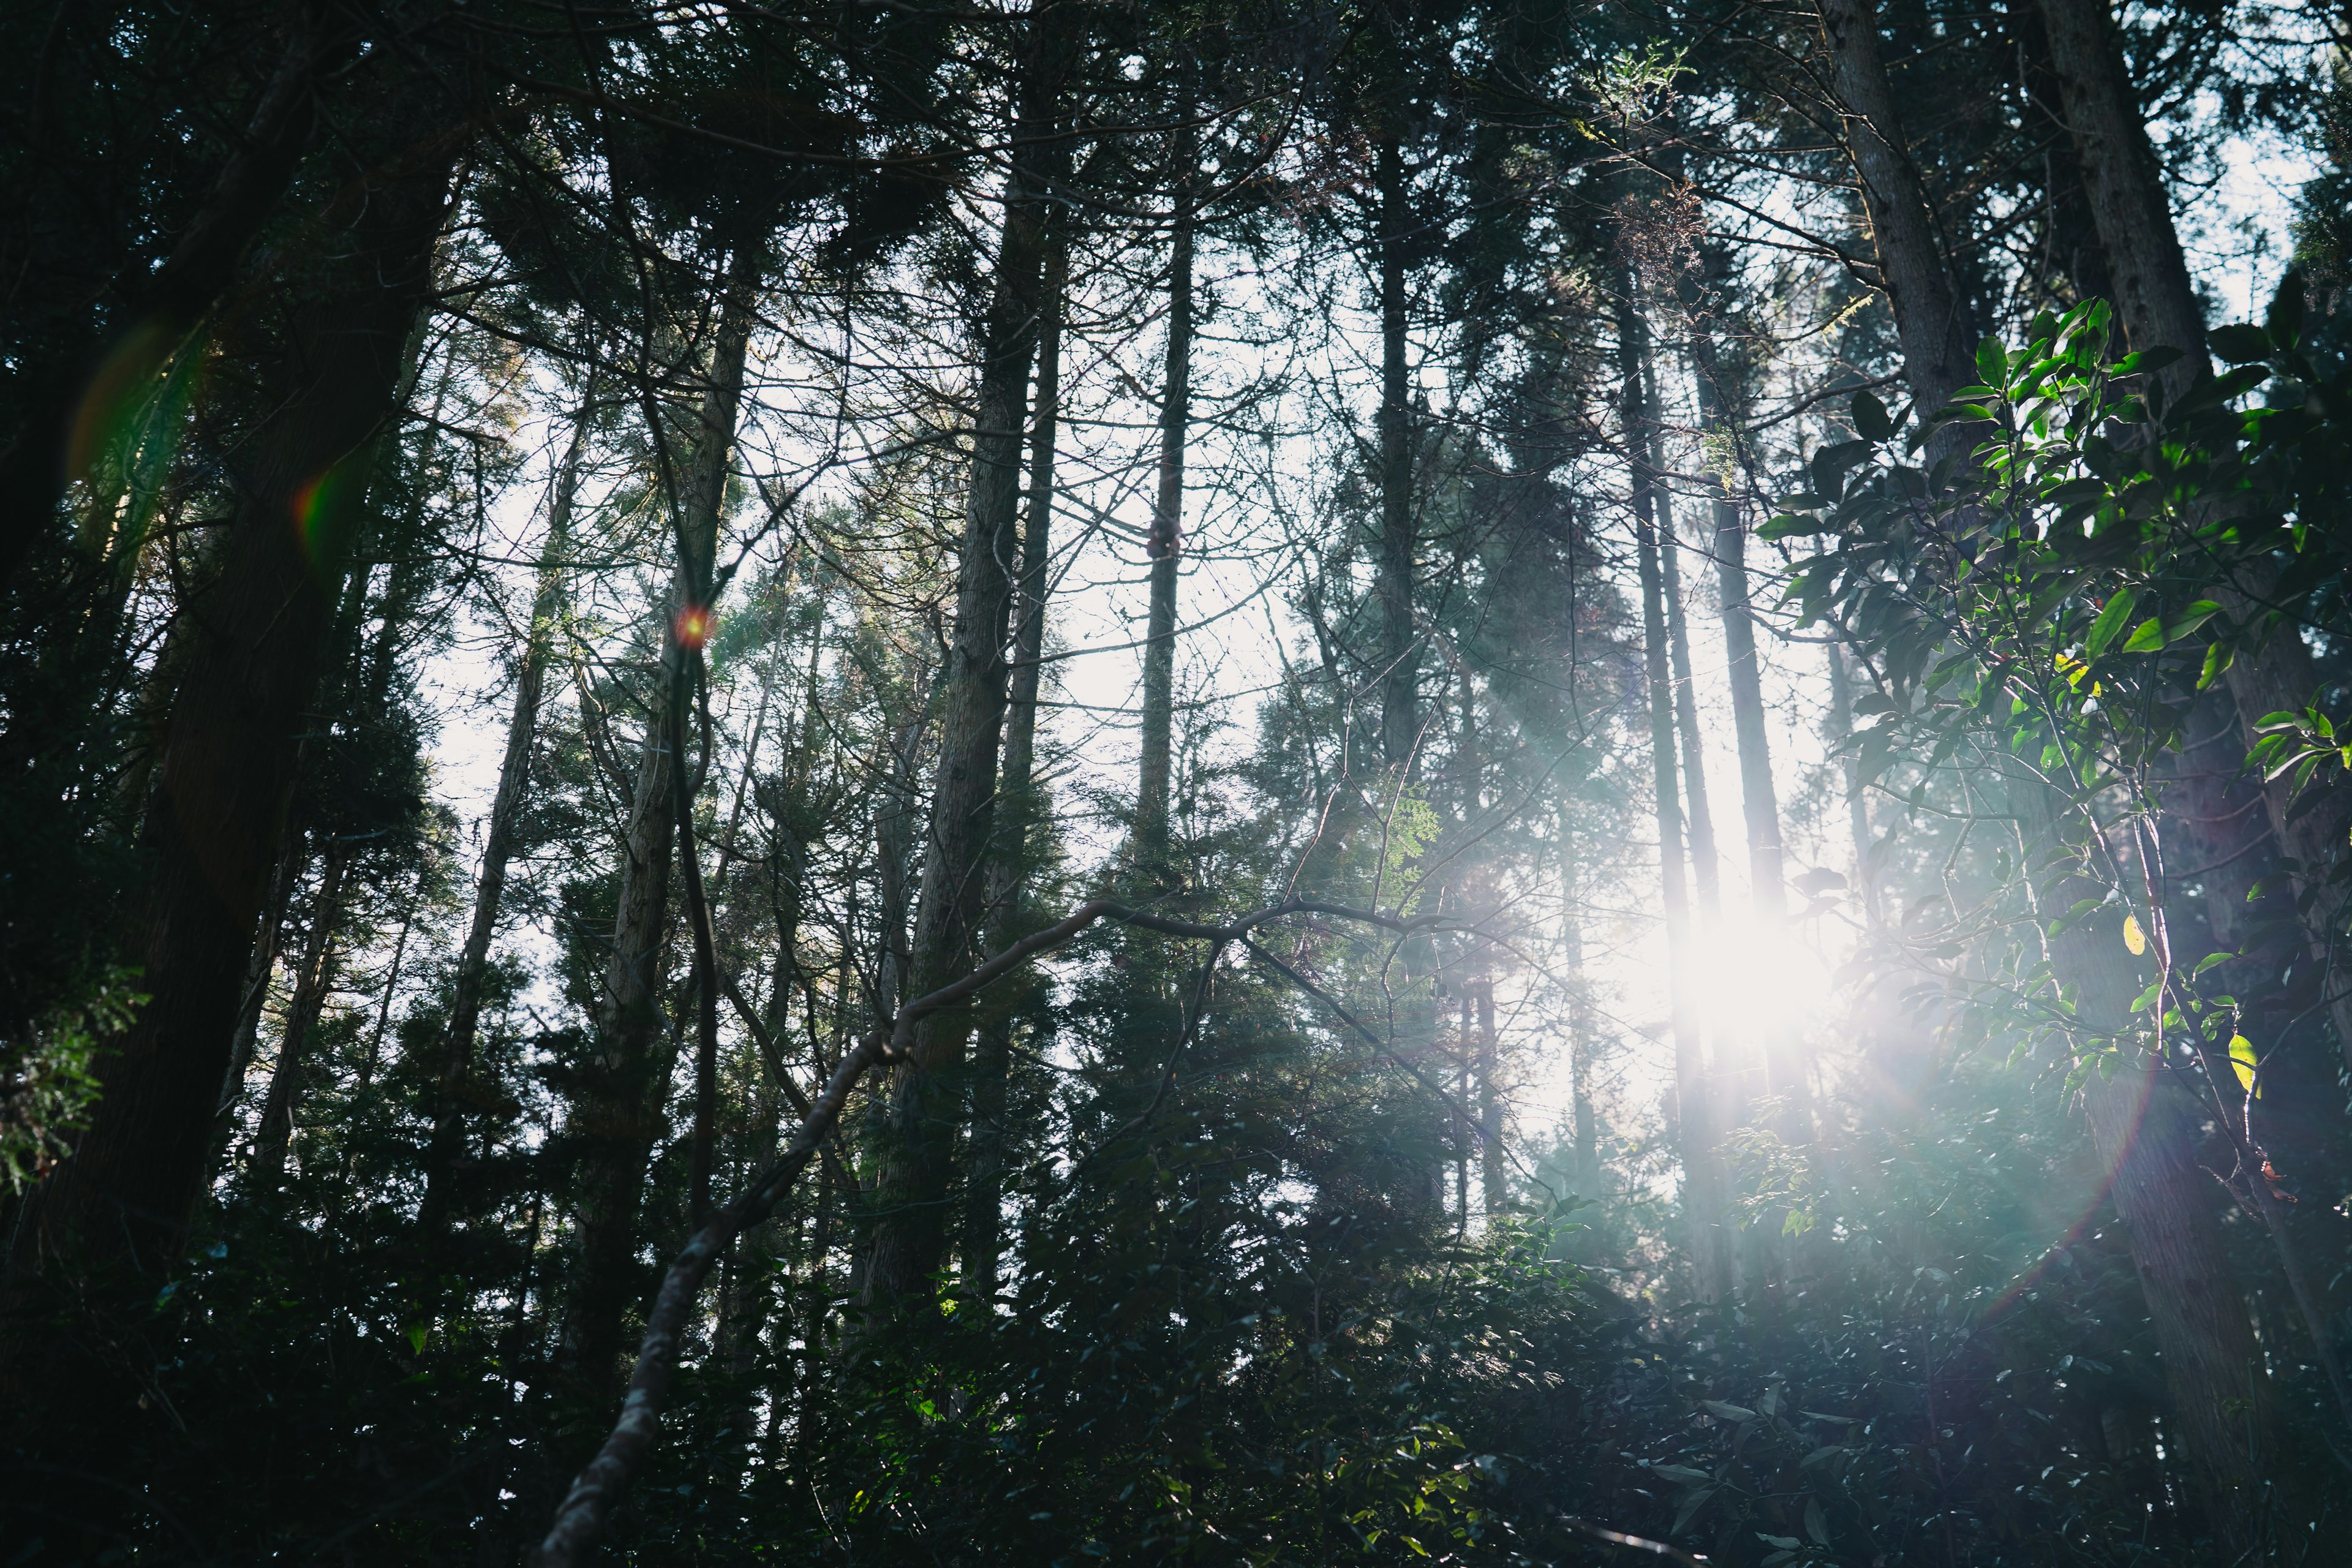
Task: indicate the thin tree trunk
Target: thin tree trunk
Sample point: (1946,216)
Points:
(984,1225)
(619,1109)
(2158,305)
(1400,647)
(498,833)
(275,1133)
(1166,541)
(1837,728)
(913,1162)
(1491,1177)
(292,862)
(1694,1129)
(216,826)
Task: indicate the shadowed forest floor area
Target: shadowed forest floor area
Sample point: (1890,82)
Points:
(1275,783)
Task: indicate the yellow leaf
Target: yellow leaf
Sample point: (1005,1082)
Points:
(2241,1060)
(2134,938)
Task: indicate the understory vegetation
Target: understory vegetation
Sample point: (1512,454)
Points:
(1241,783)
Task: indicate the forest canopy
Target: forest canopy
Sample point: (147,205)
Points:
(1262,781)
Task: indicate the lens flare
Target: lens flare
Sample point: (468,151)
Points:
(694,625)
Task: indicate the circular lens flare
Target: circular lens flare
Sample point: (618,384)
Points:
(694,625)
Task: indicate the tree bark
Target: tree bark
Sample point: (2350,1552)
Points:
(275,1133)
(154,310)
(1936,354)
(912,1154)
(292,862)
(1400,670)
(2226,1412)
(498,833)
(1693,1125)
(984,1225)
(1166,541)
(619,1112)
(2158,305)
(257,636)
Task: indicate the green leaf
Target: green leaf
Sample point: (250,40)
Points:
(2242,1060)
(2111,621)
(2286,311)
(1691,1505)
(2239,343)
(1992,362)
(1681,1473)
(2219,657)
(2190,619)
(2147,637)
(1871,420)
(1728,1411)
(1815,1525)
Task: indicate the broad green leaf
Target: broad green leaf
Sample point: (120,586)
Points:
(1728,1411)
(2111,621)
(2219,657)
(1871,420)
(2239,343)
(1815,1525)
(2147,637)
(1992,362)
(2190,619)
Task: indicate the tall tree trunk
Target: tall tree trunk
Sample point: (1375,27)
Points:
(1694,1130)
(153,310)
(1706,859)
(2200,1318)
(1399,668)
(2071,245)
(1166,538)
(619,1109)
(912,1163)
(1928,323)
(499,834)
(983,1225)
(2225,1409)
(217,821)
(2158,305)
(274,1133)
(1718,400)
(1491,1178)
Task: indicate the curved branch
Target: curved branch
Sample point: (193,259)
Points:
(580,1519)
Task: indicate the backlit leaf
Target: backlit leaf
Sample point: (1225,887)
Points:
(2134,938)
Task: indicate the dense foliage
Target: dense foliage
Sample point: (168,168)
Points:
(888,785)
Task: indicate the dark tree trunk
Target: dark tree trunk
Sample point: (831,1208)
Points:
(1164,544)
(1399,667)
(993,1062)
(275,1133)
(1937,355)
(257,638)
(151,312)
(2158,305)
(619,1109)
(912,1154)
(2224,1408)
